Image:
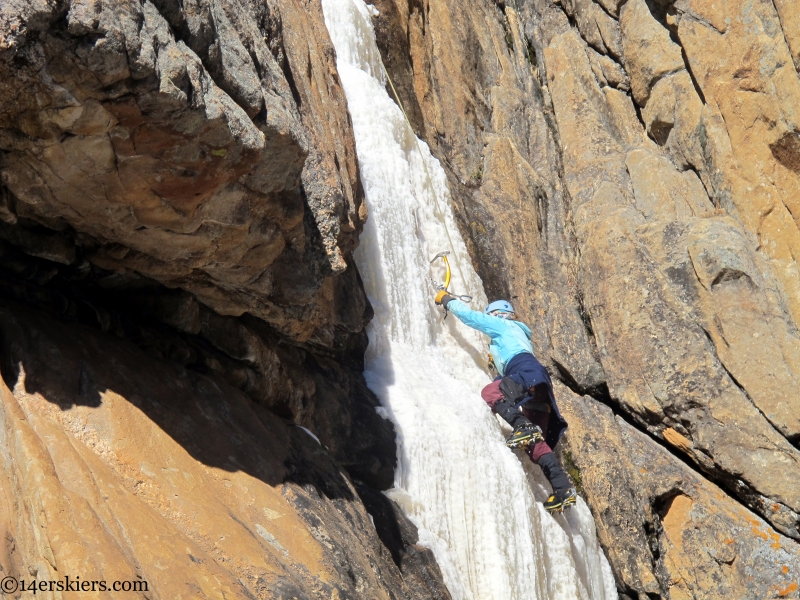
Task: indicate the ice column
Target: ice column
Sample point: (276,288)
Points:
(472,499)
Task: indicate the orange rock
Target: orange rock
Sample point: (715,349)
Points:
(144,471)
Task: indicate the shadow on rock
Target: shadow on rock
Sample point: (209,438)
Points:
(73,365)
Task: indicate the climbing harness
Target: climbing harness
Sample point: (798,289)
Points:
(446,284)
(438,212)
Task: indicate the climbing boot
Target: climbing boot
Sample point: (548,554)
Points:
(524,435)
(560,500)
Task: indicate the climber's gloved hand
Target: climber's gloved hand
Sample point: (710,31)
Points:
(442,297)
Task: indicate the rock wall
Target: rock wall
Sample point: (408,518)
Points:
(626,173)
(116,466)
(167,170)
(670,532)
(207,148)
(179,206)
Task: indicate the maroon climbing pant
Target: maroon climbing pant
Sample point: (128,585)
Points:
(492,395)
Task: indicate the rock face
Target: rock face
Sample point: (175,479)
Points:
(104,477)
(207,148)
(626,174)
(178,210)
(669,532)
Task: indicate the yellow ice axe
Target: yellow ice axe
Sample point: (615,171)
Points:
(443,256)
(447,275)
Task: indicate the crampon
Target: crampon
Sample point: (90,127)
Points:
(561,500)
(525,435)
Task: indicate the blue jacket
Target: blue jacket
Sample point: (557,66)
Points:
(513,356)
(508,338)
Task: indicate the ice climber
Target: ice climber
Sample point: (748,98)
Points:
(522,394)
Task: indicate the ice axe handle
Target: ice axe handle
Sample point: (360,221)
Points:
(447,272)
(443,256)
(444,286)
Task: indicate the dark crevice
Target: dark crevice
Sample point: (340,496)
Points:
(737,490)
(794,217)
(541,211)
(626,592)
(796,61)
(287,72)
(565,377)
(605,10)
(256,63)
(694,169)
(711,339)
(530,53)
(617,61)
(603,395)
(652,532)
(509,37)
(638,110)
(585,318)
(418,7)
(749,398)
(696,85)
(727,274)
(662,503)
(659,132)
(787,151)
(660,13)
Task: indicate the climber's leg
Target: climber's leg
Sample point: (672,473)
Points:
(491,394)
(524,432)
(564,494)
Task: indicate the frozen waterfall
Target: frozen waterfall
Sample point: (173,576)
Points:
(474,501)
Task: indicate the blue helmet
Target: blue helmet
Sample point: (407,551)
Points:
(501,305)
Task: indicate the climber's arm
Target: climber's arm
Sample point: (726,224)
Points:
(491,326)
